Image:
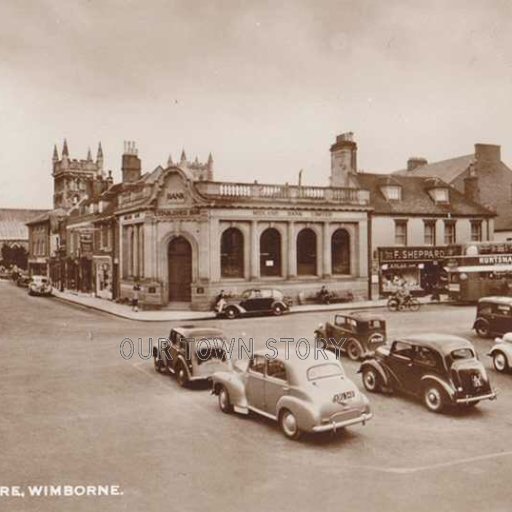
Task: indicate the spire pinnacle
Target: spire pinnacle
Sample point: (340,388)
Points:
(89,156)
(65,151)
(210,159)
(169,161)
(99,154)
(55,157)
(183,156)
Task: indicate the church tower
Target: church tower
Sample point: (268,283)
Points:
(74,180)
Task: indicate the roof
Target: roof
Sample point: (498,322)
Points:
(13,222)
(496,299)
(363,316)
(447,170)
(444,343)
(416,198)
(191,331)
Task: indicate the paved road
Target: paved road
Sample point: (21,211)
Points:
(74,412)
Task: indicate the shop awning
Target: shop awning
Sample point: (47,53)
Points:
(481,268)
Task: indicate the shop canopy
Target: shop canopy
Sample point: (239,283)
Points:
(481,268)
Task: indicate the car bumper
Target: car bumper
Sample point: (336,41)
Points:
(471,399)
(334,425)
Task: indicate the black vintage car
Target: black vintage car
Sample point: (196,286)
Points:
(493,316)
(256,301)
(191,353)
(357,335)
(441,369)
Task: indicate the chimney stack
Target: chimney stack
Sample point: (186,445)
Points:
(416,161)
(131,165)
(487,153)
(343,160)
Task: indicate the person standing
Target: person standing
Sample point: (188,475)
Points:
(135,298)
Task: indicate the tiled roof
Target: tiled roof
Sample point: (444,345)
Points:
(416,199)
(447,170)
(13,222)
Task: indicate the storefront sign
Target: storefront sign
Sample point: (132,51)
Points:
(485,259)
(418,254)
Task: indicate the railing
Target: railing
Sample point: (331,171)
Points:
(252,191)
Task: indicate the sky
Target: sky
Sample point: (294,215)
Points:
(264,85)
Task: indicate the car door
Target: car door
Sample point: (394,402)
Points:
(502,317)
(276,384)
(169,349)
(401,365)
(255,382)
(249,300)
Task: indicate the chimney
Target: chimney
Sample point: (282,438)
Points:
(471,188)
(415,162)
(131,166)
(487,153)
(343,160)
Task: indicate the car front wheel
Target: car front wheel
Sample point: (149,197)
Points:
(182,376)
(224,401)
(371,380)
(157,364)
(277,310)
(231,313)
(289,426)
(499,360)
(434,398)
(482,329)
(353,350)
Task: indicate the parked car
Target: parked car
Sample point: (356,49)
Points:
(303,395)
(40,285)
(256,301)
(441,369)
(357,335)
(23,280)
(493,316)
(191,353)
(501,353)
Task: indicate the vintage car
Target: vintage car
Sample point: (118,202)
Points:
(441,369)
(501,353)
(304,395)
(493,316)
(191,353)
(256,301)
(40,285)
(356,334)
(23,280)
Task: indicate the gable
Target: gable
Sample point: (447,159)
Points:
(174,191)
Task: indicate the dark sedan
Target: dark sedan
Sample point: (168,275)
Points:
(256,301)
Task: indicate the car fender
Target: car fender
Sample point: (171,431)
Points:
(279,303)
(234,385)
(239,308)
(502,347)
(377,367)
(306,413)
(183,361)
(434,378)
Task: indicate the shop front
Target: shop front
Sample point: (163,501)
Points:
(421,269)
(103,273)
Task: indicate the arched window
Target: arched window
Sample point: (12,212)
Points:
(306,253)
(270,253)
(340,252)
(232,253)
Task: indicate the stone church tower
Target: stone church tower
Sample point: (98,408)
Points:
(74,180)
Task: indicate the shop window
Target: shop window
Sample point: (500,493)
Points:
(270,253)
(476,230)
(232,253)
(430,232)
(340,252)
(449,233)
(400,232)
(306,253)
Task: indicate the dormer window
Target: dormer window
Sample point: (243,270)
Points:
(441,195)
(392,192)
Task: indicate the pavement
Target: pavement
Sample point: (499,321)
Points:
(164,315)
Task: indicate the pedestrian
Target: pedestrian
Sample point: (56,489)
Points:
(135,298)
(220,302)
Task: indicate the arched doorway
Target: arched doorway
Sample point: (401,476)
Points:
(180,270)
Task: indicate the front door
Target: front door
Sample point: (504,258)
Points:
(180,270)
(401,365)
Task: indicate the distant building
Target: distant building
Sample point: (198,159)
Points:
(13,225)
(481,176)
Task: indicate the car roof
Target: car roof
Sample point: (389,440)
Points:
(293,360)
(191,331)
(364,316)
(444,343)
(496,299)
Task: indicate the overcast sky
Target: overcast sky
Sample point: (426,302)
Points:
(264,86)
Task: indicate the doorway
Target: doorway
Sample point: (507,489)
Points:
(180,270)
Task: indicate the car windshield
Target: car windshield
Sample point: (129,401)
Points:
(324,371)
(462,353)
(210,348)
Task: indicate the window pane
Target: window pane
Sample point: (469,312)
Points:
(430,233)
(306,253)
(232,253)
(476,231)
(270,253)
(340,252)
(400,232)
